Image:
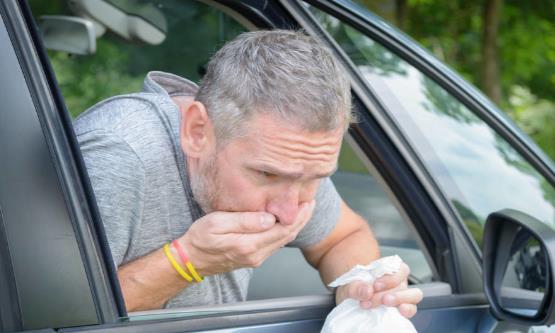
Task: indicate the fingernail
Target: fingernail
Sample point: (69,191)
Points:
(389,300)
(267,220)
(379,286)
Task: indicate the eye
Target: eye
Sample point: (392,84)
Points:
(267,174)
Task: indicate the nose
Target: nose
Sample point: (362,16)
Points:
(285,205)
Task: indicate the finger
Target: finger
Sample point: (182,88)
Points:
(274,239)
(240,223)
(269,241)
(304,213)
(281,234)
(407,310)
(307,214)
(391,281)
(301,221)
(266,243)
(358,290)
(365,304)
(308,211)
(407,296)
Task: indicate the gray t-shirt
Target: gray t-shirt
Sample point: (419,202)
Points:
(137,169)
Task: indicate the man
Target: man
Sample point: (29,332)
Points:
(231,172)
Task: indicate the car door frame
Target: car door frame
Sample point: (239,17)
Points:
(71,180)
(79,197)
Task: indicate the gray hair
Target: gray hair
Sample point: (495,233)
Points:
(282,72)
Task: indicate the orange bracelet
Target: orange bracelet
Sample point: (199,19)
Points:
(175,265)
(186,261)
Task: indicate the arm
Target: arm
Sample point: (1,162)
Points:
(140,281)
(350,243)
(218,242)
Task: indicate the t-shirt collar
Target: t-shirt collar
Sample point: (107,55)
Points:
(168,84)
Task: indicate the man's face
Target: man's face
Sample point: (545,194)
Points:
(274,168)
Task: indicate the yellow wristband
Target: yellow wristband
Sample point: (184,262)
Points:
(185,260)
(193,271)
(175,264)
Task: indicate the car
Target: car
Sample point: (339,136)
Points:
(444,178)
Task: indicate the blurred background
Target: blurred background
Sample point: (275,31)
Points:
(504,47)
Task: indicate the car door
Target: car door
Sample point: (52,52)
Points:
(473,158)
(48,261)
(68,282)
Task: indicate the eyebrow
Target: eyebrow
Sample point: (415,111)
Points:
(295,175)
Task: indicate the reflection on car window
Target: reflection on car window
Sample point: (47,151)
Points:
(120,65)
(366,196)
(478,170)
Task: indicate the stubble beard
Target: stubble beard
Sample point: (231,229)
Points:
(204,185)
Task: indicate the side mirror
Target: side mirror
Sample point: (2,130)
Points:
(518,261)
(69,34)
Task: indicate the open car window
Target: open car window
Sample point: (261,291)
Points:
(166,36)
(124,54)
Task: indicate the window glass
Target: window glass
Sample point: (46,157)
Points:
(122,59)
(365,195)
(174,43)
(478,170)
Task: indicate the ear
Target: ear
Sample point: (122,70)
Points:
(196,131)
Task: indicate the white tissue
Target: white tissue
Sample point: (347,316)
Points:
(349,317)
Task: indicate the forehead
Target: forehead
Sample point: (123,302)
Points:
(282,143)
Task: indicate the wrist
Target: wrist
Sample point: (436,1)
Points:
(175,263)
(194,255)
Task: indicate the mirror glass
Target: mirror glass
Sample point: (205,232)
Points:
(525,279)
(69,34)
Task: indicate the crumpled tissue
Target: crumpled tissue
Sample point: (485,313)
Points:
(349,317)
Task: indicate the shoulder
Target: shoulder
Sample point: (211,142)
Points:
(125,111)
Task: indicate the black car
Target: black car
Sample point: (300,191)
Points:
(428,163)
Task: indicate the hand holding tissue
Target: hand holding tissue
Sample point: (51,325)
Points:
(350,317)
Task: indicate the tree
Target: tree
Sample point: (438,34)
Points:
(505,47)
(491,83)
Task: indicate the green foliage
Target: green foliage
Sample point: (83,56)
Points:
(536,117)
(349,161)
(442,103)
(452,30)
(119,66)
(472,221)
(85,80)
